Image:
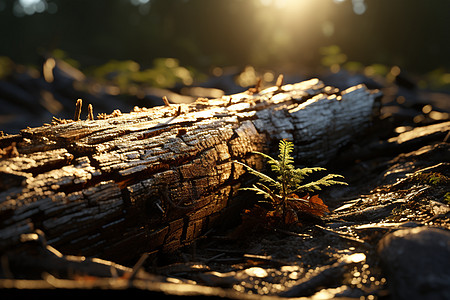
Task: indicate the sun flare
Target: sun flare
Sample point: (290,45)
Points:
(286,4)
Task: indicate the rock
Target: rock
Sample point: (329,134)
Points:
(416,262)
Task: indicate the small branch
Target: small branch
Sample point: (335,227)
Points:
(90,112)
(280,81)
(343,236)
(166,101)
(76,117)
(138,266)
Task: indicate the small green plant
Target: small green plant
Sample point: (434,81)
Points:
(432,178)
(447,198)
(282,193)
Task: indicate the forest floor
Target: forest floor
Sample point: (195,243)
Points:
(386,234)
(349,253)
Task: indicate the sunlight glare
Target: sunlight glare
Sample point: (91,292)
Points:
(256,272)
(33,6)
(303,23)
(30,7)
(29,2)
(356,258)
(359,7)
(283,4)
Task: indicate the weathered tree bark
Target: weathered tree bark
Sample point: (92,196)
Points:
(158,178)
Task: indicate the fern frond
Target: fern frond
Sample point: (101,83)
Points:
(263,190)
(257,191)
(289,180)
(270,158)
(324,181)
(277,199)
(303,172)
(263,177)
(274,164)
(286,149)
(297,199)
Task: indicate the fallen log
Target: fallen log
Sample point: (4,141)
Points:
(156,179)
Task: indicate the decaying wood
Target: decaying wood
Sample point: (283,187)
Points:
(156,179)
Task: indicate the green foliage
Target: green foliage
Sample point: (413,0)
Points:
(165,73)
(447,198)
(289,180)
(62,55)
(332,55)
(436,79)
(6,67)
(432,178)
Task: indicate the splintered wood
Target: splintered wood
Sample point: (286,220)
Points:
(156,179)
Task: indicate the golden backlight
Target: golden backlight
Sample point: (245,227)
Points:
(285,3)
(290,28)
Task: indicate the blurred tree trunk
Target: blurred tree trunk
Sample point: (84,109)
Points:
(156,179)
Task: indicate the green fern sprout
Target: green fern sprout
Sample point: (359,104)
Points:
(289,180)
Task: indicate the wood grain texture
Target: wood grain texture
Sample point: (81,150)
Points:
(157,178)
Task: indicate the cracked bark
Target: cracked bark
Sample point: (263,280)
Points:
(156,179)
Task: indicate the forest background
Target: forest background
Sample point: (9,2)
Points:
(173,43)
